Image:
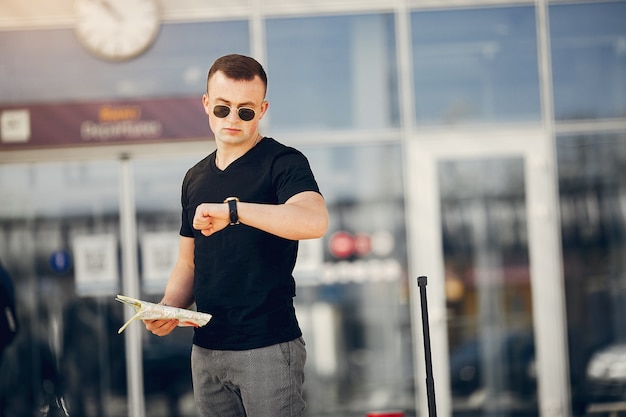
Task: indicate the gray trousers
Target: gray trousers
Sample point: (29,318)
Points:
(264,382)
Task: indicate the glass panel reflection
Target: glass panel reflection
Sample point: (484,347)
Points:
(475,65)
(335,72)
(588,43)
(174,66)
(59,231)
(167,370)
(483,208)
(592,190)
(354,308)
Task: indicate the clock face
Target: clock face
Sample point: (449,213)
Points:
(117,29)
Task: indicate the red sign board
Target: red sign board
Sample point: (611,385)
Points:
(115,122)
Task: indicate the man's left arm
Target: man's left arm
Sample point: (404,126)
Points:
(303,216)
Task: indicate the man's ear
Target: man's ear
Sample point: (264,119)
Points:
(264,106)
(205,103)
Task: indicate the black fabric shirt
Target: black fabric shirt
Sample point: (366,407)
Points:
(243,276)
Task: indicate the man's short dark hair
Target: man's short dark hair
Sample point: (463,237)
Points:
(238,67)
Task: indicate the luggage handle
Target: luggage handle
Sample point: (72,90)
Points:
(430,382)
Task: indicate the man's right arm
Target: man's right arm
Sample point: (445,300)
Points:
(179,288)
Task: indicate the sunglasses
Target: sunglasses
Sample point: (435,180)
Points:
(245,113)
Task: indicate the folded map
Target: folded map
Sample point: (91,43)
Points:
(151,311)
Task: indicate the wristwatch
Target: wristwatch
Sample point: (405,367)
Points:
(232,209)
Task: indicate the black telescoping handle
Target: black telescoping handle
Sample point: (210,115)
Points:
(430,382)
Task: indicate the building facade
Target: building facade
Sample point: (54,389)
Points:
(480,143)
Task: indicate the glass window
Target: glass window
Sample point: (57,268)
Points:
(592,189)
(475,65)
(166,364)
(50,65)
(588,43)
(158,185)
(332,72)
(354,311)
(59,228)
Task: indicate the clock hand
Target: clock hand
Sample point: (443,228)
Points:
(106,4)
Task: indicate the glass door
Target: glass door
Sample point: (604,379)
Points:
(484,231)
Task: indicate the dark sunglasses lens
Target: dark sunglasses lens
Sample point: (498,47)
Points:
(246,114)
(221,111)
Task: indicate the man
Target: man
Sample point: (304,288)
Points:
(244,207)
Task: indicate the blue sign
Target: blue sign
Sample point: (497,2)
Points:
(60,261)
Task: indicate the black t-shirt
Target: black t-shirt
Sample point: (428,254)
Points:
(243,276)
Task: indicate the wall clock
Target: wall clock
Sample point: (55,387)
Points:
(117,30)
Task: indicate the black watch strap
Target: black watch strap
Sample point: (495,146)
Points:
(232,210)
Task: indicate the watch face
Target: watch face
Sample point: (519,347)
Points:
(117,29)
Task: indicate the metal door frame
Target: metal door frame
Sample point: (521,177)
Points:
(423,152)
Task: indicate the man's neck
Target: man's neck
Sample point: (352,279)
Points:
(225,157)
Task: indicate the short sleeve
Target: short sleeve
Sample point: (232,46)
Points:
(185,223)
(292,174)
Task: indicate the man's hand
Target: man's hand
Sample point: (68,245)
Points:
(211,218)
(161,327)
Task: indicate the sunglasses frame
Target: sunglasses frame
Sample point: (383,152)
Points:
(230,109)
